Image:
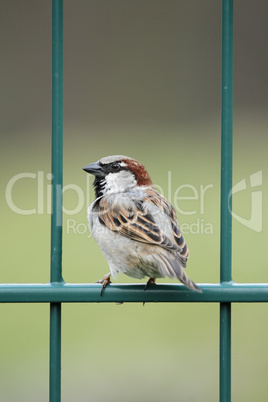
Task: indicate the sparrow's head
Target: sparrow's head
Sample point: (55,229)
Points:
(117,173)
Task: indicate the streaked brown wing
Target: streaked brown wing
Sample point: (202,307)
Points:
(155,198)
(138,224)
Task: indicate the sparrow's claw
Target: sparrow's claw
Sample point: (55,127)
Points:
(104,281)
(151,281)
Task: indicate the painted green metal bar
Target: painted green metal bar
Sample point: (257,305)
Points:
(225,352)
(57,141)
(90,293)
(226,141)
(56,216)
(55,353)
(226,198)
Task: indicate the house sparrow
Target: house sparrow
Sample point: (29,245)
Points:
(135,227)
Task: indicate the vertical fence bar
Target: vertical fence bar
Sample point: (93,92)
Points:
(56,216)
(225,352)
(226,199)
(57,128)
(55,353)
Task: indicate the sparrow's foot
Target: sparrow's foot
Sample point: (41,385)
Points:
(151,281)
(104,281)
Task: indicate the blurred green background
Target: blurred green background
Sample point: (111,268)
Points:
(141,78)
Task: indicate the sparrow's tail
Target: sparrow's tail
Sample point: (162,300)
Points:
(171,267)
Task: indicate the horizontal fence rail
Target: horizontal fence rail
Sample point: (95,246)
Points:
(90,293)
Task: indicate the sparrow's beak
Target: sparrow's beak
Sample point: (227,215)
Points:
(95,169)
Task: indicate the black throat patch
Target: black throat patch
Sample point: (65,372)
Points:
(99,184)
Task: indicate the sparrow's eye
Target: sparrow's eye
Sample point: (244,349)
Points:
(115,167)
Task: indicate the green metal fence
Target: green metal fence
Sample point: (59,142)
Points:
(57,291)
